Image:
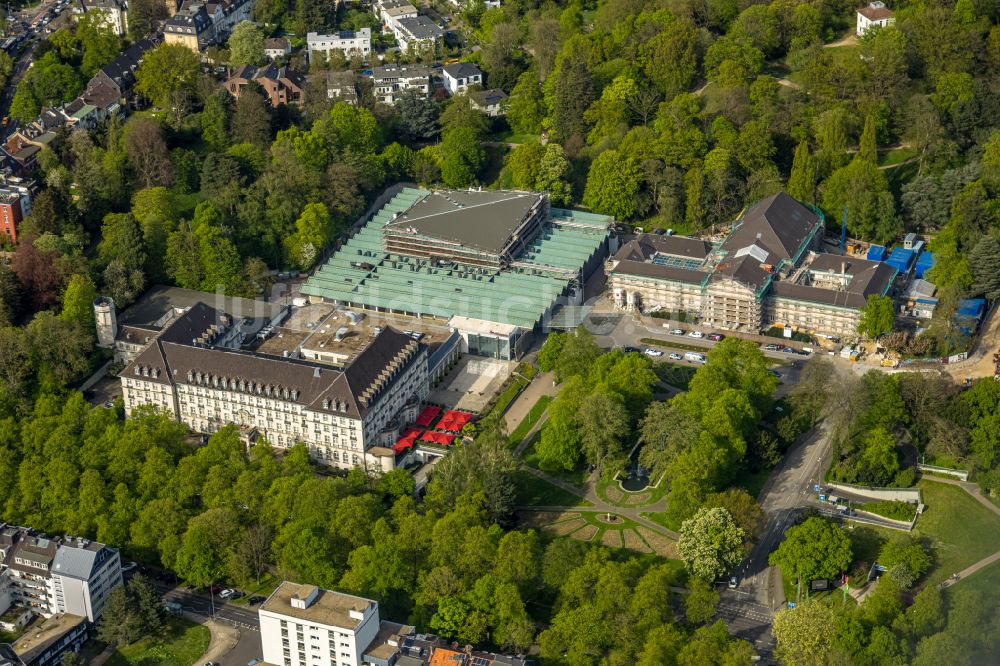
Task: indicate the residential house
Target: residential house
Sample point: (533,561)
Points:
(115,13)
(346,42)
(390,80)
(24,144)
(390,12)
(282,85)
(190,27)
(417,34)
(459,76)
(277,47)
(119,74)
(875,14)
(492,102)
(15,205)
(198,25)
(342,87)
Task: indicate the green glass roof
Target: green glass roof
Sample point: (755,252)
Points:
(362,273)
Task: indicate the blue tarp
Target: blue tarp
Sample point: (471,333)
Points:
(924,263)
(901,259)
(876,253)
(972,307)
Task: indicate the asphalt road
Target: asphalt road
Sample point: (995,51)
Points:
(202,605)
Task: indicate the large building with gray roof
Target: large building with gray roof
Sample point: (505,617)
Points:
(767,271)
(200,370)
(494,264)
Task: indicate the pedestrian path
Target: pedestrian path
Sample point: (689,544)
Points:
(518,410)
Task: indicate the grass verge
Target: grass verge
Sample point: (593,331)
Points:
(182,644)
(533,491)
(535,413)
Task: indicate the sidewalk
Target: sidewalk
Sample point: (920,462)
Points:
(518,410)
(224,638)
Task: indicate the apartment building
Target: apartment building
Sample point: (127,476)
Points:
(417,33)
(282,85)
(390,12)
(303,625)
(389,81)
(198,25)
(114,11)
(767,271)
(197,370)
(15,205)
(51,576)
(342,87)
(346,42)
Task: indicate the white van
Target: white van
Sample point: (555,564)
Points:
(694,357)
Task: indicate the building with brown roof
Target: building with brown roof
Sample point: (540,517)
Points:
(765,272)
(874,15)
(281,85)
(199,370)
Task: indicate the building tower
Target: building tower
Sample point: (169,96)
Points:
(104,317)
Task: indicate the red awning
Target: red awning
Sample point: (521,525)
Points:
(453,420)
(441,438)
(406,440)
(427,416)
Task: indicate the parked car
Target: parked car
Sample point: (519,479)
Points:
(789,350)
(655,353)
(696,334)
(677,331)
(215,589)
(771,347)
(630,350)
(775,373)
(129,566)
(674,356)
(715,337)
(227,593)
(236,595)
(733,582)
(256,600)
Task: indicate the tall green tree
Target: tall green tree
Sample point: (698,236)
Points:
(877,317)
(168,76)
(802,180)
(246,44)
(815,548)
(867,147)
(711,543)
(573,93)
(612,185)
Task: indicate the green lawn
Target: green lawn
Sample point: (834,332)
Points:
(985,580)
(532,491)
(895,156)
(184,203)
(181,645)
(961,531)
(530,420)
(511,137)
(898,176)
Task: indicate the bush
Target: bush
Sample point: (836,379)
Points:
(892,509)
(905,478)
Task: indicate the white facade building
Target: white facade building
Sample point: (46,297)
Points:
(114,11)
(303,625)
(391,80)
(348,43)
(461,75)
(54,576)
(195,371)
(418,33)
(875,14)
